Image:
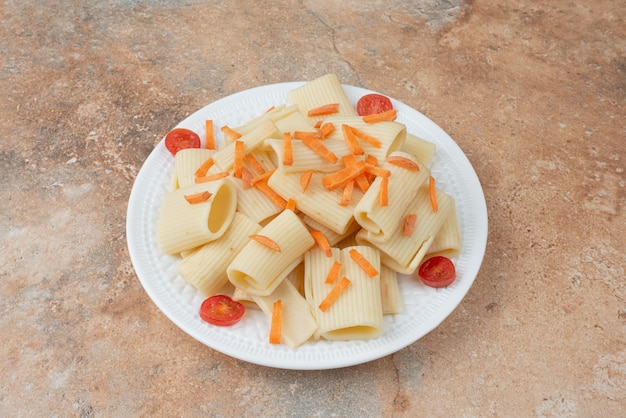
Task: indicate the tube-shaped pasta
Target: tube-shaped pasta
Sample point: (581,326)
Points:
(381,221)
(316,201)
(357,312)
(225,157)
(390,291)
(257,269)
(254,203)
(447,242)
(293,122)
(187,161)
(205,268)
(306,159)
(404,253)
(297,322)
(183,225)
(322,91)
(422,149)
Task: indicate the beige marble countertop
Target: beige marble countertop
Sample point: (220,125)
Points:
(534,92)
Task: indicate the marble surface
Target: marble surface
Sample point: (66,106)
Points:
(534,92)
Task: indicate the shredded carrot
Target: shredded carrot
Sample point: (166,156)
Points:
(361,181)
(238,161)
(204,168)
(209,141)
(409,224)
(403,162)
(339,178)
(287,150)
(370,160)
(366,137)
(271,194)
(334,294)
(353,144)
(322,242)
(324,110)
(307,134)
(381,117)
(255,164)
(377,171)
(384,191)
(211,177)
(246,178)
(346,195)
(291,205)
(333,273)
(305,179)
(198,197)
(327,129)
(270,109)
(277,322)
(231,133)
(262,177)
(358,258)
(319,123)
(320,149)
(265,241)
(433,194)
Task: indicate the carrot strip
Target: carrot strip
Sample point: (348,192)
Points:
(246,178)
(255,164)
(204,168)
(262,177)
(358,258)
(327,129)
(353,144)
(333,273)
(320,149)
(270,109)
(238,161)
(305,179)
(322,242)
(409,224)
(291,205)
(287,150)
(403,162)
(230,132)
(324,110)
(339,178)
(198,197)
(433,194)
(384,191)
(265,241)
(211,177)
(366,137)
(334,294)
(277,322)
(346,195)
(377,171)
(372,161)
(381,117)
(307,134)
(271,194)
(209,141)
(319,123)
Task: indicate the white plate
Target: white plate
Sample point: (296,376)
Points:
(424,308)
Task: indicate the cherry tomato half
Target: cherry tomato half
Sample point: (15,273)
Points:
(181,138)
(221,310)
(373,103)
(437,271)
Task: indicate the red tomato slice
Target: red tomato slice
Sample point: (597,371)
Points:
(181,138)
(373,103)
(437,271)
(221,310)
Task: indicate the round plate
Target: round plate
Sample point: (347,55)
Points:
(424,308)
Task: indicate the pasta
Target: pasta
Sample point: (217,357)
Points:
(183,226)
(243,221)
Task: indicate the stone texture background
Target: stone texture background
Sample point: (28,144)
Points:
(533,92)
